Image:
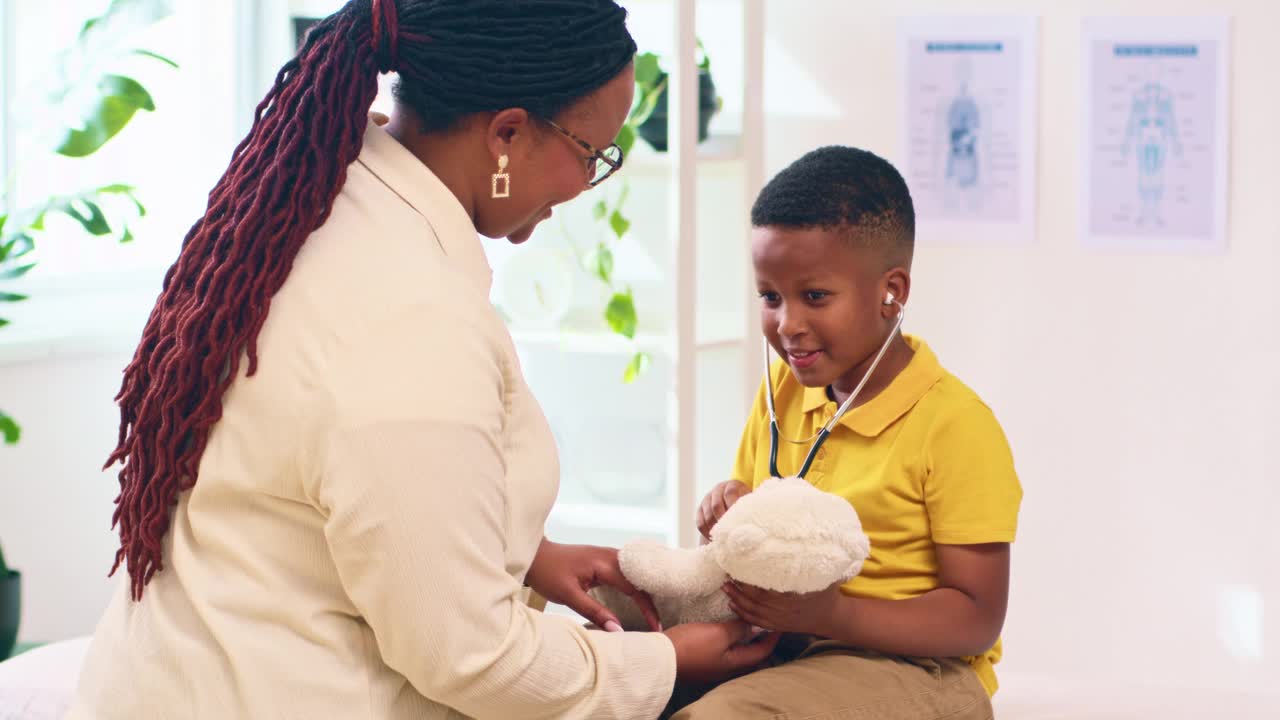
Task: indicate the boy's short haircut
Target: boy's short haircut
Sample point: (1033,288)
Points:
(848,190)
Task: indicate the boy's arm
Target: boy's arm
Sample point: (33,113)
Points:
(963,616)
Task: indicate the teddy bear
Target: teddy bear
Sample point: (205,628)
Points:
(786,536)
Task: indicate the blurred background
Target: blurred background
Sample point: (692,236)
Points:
(1097,247)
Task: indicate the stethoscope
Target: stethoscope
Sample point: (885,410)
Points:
(821,436)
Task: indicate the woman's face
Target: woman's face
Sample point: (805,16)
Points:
(549,168)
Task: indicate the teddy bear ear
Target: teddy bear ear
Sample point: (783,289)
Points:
(743,539)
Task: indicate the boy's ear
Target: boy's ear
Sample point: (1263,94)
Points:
(898,282)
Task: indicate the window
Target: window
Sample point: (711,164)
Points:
(227,53)
(172,156)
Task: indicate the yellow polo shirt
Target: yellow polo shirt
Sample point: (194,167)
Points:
(924,462)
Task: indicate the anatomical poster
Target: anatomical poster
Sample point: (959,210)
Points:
(968,127)
(1154,132)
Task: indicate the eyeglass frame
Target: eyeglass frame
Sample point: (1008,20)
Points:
(597,155)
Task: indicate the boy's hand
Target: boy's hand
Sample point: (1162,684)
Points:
(564,573)
(811,613)
(717,503)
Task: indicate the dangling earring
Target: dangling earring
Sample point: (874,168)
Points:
(501,180)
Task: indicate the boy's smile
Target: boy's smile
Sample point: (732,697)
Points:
(821,305)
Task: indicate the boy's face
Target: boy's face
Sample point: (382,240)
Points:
(821,302)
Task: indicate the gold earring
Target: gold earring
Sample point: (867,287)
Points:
(501,180)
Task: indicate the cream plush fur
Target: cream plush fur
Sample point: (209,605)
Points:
(786,535)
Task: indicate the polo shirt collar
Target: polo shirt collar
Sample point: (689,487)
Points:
(871,418)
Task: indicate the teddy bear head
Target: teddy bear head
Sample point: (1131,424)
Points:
(789,536)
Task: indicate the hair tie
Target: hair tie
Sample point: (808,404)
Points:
(386,30)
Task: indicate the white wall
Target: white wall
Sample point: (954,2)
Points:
(55,508)
(1139,391)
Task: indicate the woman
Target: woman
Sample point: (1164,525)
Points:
(328,509)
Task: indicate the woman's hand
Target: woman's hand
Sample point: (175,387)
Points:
(711,652)
(717,503)
(811,613)
(564,573)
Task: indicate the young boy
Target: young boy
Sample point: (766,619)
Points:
(919,456)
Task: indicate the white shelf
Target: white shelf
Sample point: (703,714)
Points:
(592,343)
(654,521)
(607,343)
(716,149)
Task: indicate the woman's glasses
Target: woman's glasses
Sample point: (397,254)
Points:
(602,163)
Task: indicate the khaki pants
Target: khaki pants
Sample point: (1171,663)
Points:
(809,679)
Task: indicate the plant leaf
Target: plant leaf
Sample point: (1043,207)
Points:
(639,363)
(102,42)
(128,88)
(647,70)
(95,223)
(619,224)
(12,297)
(620,313)
(157,56)
(19,245)
(705,63)
(626,138)
(10,429)
(126,190)
(16,272)
(604,264)
(119,98)
(599,210)
(648,101)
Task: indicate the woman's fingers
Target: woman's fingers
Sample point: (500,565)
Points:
(756,651)
(647,609)
(587,607)
(610,574)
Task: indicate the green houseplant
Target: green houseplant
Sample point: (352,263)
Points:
(10,606)
(647,114)
(620,309)
(653,129)
(89,79)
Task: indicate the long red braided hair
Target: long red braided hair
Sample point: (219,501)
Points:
(454,57)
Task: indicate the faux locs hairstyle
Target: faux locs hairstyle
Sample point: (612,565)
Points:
(454,58)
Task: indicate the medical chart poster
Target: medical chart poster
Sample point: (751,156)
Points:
(968,127)
(1155,134)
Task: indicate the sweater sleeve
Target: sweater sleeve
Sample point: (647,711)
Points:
(414,487)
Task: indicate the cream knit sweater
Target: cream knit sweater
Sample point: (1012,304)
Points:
(368,506)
